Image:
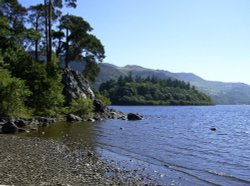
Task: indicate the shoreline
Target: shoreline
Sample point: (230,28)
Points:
(36,161)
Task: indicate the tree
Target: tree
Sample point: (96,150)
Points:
(44,81)
(79,44)
(12,17)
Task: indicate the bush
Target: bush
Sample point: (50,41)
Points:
(82,107)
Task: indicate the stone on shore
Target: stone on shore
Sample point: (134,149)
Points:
(45,120)
(20,123)
(73,118)
(9,128)
(37,161)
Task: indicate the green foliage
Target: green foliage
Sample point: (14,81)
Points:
(12,16)
(81,107)
(13,94)
(103,98)
(152,91)
(45,83)
(16,59)
(24,81)
(91,70)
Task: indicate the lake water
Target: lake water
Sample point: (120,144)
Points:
(172,145)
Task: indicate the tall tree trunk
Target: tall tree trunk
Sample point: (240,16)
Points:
(49,30)
(67,49)
(46,28)
(48,35)
(36,50)
(36,42)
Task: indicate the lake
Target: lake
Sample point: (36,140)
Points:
(172,145)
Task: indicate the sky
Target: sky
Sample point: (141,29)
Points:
(210,38)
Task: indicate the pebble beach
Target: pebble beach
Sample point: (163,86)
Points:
(36,161)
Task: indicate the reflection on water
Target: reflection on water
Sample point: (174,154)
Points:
(71,134)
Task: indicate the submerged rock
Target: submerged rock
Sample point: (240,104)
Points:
(132,116)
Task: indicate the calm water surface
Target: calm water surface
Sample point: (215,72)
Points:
(175,143)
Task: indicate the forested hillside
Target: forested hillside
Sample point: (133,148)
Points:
(220,92)
(152,91)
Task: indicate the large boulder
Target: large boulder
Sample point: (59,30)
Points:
(132,116)
(9,128)
(73,118)
(76,86)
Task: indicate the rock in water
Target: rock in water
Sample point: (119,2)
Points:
(72,118)
(76,86)
(213,129)
(132,116)
(9,128)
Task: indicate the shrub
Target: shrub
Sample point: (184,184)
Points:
(13,94)
(103,98)
(82,107)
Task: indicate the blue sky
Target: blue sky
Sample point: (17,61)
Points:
(210,38)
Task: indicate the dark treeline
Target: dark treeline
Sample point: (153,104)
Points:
(152,91)
(30,77)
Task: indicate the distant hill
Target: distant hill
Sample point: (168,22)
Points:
(220,92)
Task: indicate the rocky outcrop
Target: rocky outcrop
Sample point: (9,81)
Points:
(108,113)
(75,86)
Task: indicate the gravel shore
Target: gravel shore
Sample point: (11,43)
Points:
(36,161)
